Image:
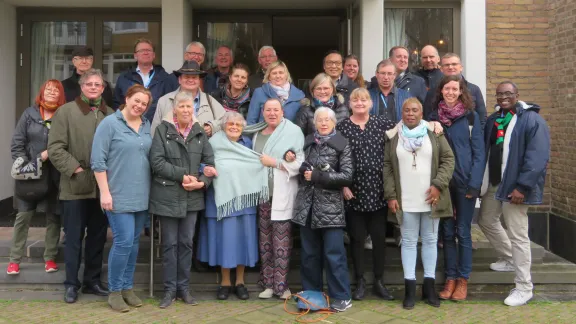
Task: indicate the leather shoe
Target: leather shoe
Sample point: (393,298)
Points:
(96,289)
(360,289)
(186,298)
(223,292)
(71,295)
(380,290)
(242,292)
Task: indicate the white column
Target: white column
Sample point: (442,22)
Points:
(176,32)
(371,35)
(473,42)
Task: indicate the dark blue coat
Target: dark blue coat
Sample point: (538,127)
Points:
(409,82)
(431,77)
(265,92)
(399,97)
(468,147)
(528,154)
(130,78)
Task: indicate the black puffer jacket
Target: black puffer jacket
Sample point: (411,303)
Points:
(305,117)
(321,199)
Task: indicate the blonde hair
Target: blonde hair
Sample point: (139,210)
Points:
(360,93)
(274,65)
(321,78)
(412,101)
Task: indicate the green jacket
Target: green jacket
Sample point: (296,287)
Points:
(171,158)
(442,170)
(70,145)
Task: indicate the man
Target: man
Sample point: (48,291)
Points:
(83,58)
(406,80)
(387,98)
(145,73)
(333,64)
(518,149)
(69,147)
(451,65)
(195,51)
(430,71)
(266,56)
(218,75)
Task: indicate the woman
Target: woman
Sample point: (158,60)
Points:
(177,195)
(352,70)
(29,142)
(365,197)
(277,84)
(324,94)
(120,162)
(235,95)
(463,131)
(232,241)
(418,166)
(326,170)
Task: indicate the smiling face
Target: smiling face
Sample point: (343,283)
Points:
(223,58)
(506,96)
(189,82)
(351,68)
(233,129)
(51,94)
(360,105)
(451,92)
(278,76)
(137,104)
(195,53)
(411,115)
(430,58)
(323,91)
(324,124)
(93,87)
(144,54)
(273,113)
(266,57)
(239,79)
(400,59)
(451,66)
(333,65)
(184,112)
(82,63)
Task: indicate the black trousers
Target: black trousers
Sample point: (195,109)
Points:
(359,225)
(84,215)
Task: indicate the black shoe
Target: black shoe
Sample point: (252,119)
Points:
(223,292)
(199,266)
(96,289)
(168,299)
(340,305)
(429,293)
(380,290)
(409,294)
(71,295)
(360,291)
(242,292)
(187,298)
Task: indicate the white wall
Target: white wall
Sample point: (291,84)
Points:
(473,42)
(176,32)
(371,35)
(7,94)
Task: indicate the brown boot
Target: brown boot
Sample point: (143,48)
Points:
(449,287)
(461,290)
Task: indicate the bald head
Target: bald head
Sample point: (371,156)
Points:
(430,57)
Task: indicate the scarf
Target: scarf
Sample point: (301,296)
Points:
(282,92)
(242,180)
(328,104)
(44,106)
(447,115)
(183,132)
(413,138)
(93,103)
(321,139)
(501,123)
(231,103)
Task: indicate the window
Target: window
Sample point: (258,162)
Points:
(128,27)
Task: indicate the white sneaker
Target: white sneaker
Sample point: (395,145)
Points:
(502,266)
(286,294)
(368,243)
(518,297)
(346,238)
(267,293)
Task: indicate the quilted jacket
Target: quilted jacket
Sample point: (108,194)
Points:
(321,199)
(305,117)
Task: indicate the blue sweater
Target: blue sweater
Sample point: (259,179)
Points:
(291,106)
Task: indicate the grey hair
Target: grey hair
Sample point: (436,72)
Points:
(231,115)
(90,73)
(182,96)
(330,112)
(266,47)
(196,44)
(225,46)
(273,99)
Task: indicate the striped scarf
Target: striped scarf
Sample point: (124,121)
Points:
(501,123)
(231,103)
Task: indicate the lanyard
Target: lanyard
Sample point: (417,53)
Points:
(147,83)
(384,101)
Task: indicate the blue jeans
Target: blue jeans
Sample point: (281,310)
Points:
(458,260)
(126,229)
(412,225)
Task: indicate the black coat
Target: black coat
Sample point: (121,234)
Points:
(431,77)
(305,117)
(221,92)
(322,199)
(255,80)
(72,89)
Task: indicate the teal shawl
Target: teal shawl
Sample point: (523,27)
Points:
(242,180)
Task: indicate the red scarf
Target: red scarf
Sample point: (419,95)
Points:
(447,114)
(47,106)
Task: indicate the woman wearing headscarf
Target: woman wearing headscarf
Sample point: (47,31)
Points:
(235,94)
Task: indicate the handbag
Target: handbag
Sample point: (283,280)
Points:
(31,183)
(307,301)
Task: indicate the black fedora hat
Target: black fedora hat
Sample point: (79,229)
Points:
(190,68)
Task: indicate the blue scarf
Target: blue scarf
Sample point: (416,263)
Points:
(327,104)
(321,139)
(413,138)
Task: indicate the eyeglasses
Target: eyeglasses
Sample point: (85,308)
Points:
(93,85)
(321,90)
(52,90)
(145,50)
(333,63)
(390,74)
(450,65)
(506,94)
(194,54)
(237,124)
(266,57)
(83,58)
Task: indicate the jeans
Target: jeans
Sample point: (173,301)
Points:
(126,228)
(412,225)
(84,216)
(373,223)
(458,260)
(20,235)
(324,246)
(177,238)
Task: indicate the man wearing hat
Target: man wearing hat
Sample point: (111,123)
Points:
(83,59)
(207,111)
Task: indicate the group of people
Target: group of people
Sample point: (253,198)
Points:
(250,157)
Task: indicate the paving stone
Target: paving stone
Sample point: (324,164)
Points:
(366,316)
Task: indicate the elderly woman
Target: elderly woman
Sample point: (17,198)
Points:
(365,197)
(277,85)
(178,148)
(36,189)
(352,71)
(230,241)
(124,189)
(235,95)
(324,94)
(464,133)
(327,168)
(418,166)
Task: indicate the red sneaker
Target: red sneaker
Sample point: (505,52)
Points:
(13,268)
(51,266)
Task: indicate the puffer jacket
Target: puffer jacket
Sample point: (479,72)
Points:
(305,117)
(322,199)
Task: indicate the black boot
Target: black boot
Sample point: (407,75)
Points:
(429,293)
(409,294)
(360,289)
(380,290)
